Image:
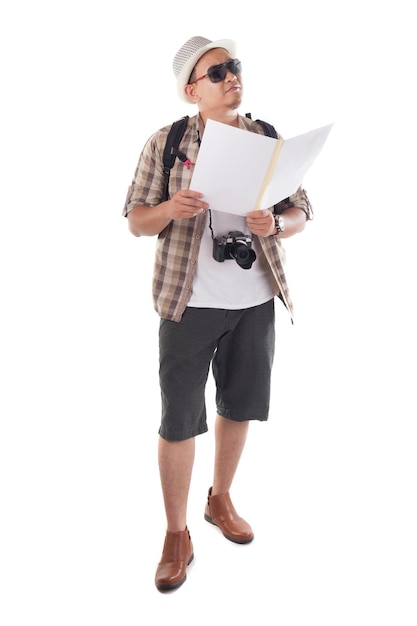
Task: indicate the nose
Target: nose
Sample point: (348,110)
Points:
(230,76)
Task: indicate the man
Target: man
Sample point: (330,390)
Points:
(212,313)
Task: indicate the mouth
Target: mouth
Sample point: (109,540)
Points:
(233,88)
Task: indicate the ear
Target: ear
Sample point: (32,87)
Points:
(191,92)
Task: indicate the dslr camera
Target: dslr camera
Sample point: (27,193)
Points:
(235,245)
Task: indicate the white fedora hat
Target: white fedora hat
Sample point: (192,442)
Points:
(188,55)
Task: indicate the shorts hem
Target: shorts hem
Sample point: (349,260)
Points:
(227,414)
(182,436)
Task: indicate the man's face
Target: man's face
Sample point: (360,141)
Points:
(225,93)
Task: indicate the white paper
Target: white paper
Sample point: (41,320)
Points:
(232,163)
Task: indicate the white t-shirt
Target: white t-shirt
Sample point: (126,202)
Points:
(226,285)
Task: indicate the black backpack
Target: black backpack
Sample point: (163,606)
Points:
(171,151)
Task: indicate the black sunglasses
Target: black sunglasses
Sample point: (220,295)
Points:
(217,73)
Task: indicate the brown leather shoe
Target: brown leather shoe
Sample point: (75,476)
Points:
(177,554)
(221,512)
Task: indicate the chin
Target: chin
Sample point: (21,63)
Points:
(237,101)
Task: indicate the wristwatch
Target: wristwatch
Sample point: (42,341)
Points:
(279,224)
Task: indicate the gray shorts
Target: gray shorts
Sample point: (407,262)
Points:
(240,347)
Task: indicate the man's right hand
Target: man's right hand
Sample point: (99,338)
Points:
(186,204)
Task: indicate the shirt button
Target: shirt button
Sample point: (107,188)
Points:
(193,261)
(188,287)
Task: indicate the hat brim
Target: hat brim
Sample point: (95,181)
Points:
(184,75)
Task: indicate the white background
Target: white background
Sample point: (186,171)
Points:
(328,484)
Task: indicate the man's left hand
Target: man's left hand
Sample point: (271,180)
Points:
(261,223)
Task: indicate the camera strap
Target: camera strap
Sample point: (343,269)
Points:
(210,224)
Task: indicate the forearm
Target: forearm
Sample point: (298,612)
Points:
(295,221)
(185,204)
(143,220)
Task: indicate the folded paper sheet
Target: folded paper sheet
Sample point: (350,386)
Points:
(240,171)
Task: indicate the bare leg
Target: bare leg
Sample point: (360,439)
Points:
(176,459)
(230,441)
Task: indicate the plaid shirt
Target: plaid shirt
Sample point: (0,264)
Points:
(179,243)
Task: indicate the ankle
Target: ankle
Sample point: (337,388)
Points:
(175,528)
(218,490)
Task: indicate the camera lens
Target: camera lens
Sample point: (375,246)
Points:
(243,255)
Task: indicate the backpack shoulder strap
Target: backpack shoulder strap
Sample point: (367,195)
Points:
(174,137)
(268,129)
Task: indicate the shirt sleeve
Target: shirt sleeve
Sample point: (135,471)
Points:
(298,199)
(147,186)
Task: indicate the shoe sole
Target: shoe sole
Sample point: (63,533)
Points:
(175,585)
(240,541)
